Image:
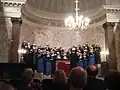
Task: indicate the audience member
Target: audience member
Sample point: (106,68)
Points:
(6,86)
(47,84)
(14,82)
(112,81)
(59,80)
(28,76)
(92,82)
(77,79)
(60,77)
(10,87)
(104,69)
(36,84)
(2,84)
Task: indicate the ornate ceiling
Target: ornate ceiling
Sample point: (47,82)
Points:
(53,12)
(13,0)
(65,6)
(113,2)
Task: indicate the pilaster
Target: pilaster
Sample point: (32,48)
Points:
(110,45)
(117,41)
(13,53)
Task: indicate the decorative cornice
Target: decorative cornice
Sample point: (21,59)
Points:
(92,14)
(16,20)
(98,19)
(65,6)
(37,25)
(44,21)
(51,22)
(12,3)
(34,16)
(112,9)
(108,25)
(112,13)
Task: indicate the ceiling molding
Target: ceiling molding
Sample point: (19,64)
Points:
(112,13)
(11,8)
(12,3)
(64,6)
(35,16)
(112,9)
(53,23)
(93,14)
(37,25)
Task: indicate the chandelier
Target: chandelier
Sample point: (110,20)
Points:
(79,22)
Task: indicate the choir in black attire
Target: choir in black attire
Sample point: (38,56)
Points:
(45,57)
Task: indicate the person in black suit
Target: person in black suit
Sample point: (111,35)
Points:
(73,58)
(92,82)
(112,80)
(97,54)
(25,82)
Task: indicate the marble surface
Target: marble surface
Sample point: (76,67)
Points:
(110,45)
(117,39)
(5,36)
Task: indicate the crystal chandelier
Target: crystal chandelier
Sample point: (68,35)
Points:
(79,22)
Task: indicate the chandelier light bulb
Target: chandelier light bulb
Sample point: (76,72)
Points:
(79,22)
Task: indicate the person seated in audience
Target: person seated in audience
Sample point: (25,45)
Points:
(47,84)
(59,80)
(2,84)
(6,86)
(14,82)
(77,79)
(25,83)
(10,87)
(36,84)
(112,81)
(92,82)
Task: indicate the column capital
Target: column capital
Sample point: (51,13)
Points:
(108,25)
(16,20)
(112,12)
(118,24)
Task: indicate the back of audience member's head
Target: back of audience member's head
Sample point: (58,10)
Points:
(6,86)
(10,87)
(60,77)
(28,75)
(77,78)
(2,84)
(112,81)
(47,84)
(92,71)
(14,82)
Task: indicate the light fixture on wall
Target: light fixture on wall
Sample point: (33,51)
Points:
(22,51)
(79,22)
